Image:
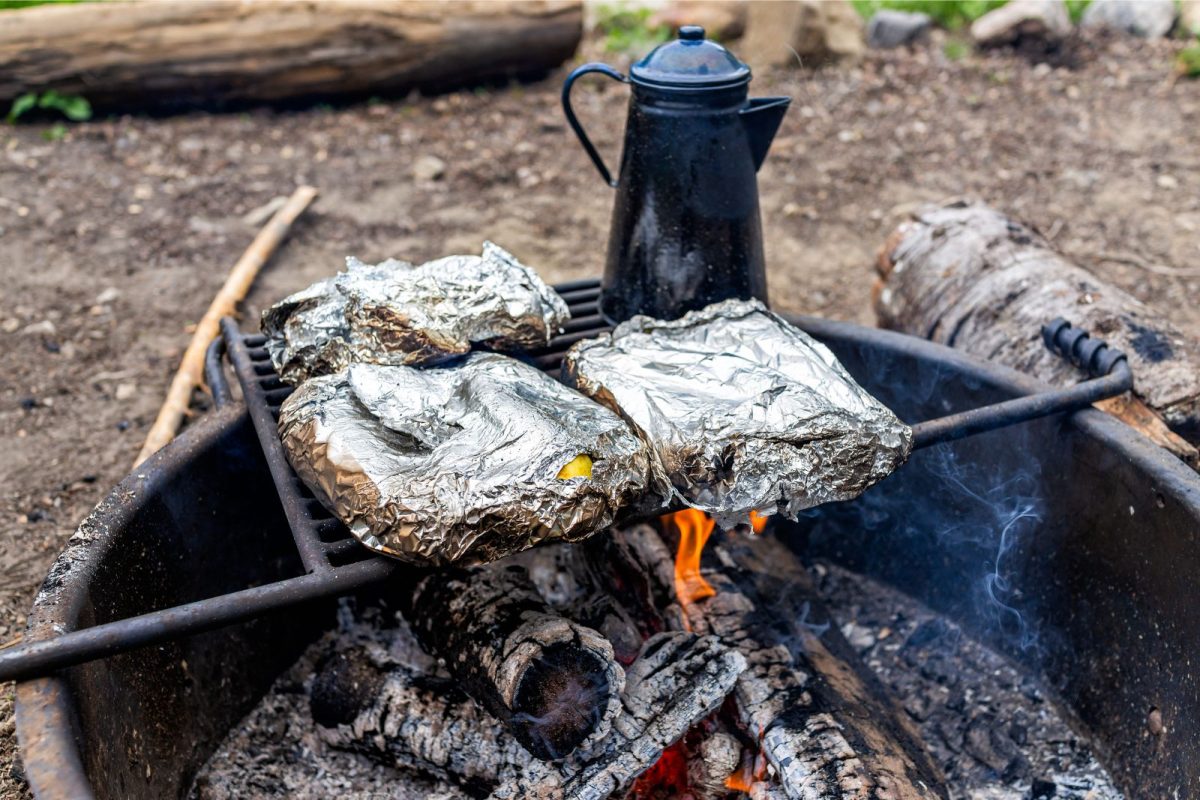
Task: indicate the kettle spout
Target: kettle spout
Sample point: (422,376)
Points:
(762,116)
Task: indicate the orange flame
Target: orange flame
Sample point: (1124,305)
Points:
(742,778)
(667,777)
(758,521)
(694,529)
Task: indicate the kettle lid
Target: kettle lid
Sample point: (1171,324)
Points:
(691,61)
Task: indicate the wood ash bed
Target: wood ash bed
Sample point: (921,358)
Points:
(790,728)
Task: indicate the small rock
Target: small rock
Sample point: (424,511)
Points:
(1189,17)
(1167,182)
(722,20)
(1149,19)
(43,328)
(125,391)
(256,218)
(1042,789)
(108,295)
(801,32)
(10,325)
(428,168)
(1045,20)
(889,28)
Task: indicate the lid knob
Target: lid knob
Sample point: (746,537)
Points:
(691,33)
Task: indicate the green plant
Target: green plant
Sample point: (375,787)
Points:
(955,49)
(628,29)
(1076,8)
(13,4)
(1187,62)
(949,14)
(55,132)
(71,106)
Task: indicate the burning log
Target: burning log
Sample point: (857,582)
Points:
(823,721)
(399,716)
(551,682)
(971,278)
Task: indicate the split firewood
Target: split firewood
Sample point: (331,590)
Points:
(553,683)
(972,278)
(403,717)
(822,719)
(207,52)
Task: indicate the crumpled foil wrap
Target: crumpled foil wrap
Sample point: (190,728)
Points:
(744,411)
(459,464)
(396,314)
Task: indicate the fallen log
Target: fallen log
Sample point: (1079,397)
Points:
(553,683)
(823,720)
(212,52)
(402,717)
(971,278)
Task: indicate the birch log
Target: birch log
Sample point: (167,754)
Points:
(206,52)
(969,277)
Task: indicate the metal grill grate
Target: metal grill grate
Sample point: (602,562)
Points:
(323,541)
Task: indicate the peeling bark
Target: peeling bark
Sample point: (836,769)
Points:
(971,278)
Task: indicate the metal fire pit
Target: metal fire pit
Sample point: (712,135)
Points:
(1098,574)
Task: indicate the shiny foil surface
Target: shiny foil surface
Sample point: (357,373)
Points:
(394,313)
(743,410)
(459,464)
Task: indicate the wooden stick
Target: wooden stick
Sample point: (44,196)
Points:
(191,369)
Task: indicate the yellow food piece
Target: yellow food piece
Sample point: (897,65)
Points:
(578,467)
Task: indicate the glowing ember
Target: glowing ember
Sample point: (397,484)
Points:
(742,778)
(758,521)
(667,778)
(694,529)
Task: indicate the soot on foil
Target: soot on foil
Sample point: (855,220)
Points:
(394,313)
(462,464)
(742,410)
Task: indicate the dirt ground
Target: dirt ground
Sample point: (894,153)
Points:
(113,239)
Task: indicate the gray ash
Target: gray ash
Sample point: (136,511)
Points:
(987,723)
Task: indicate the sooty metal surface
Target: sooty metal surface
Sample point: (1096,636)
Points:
(335,563)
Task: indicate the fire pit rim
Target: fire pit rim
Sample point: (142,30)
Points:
(44,708)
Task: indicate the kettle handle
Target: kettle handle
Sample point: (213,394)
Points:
(603,69)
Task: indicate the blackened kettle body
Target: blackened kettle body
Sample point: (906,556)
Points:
(685,230)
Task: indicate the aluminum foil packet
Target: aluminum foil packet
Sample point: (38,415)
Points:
(743,410)
(461,464)
(394,313)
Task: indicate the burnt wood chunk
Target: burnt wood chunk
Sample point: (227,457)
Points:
(419,722)
(822,719)
(554,684)
(969,277)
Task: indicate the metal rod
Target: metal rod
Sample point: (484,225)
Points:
(1023,409)
(34,659)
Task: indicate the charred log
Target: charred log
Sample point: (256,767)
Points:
(554,684)
(822,719)
(971,278)
(399,716)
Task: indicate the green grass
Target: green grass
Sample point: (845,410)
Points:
(71,106)
(11,4)
(628,30)
(1187,62)
(951,14)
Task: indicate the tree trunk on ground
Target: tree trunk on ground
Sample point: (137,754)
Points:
(821,717)
(206,52)
(971,278)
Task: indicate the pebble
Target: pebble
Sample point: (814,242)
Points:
(125,391)
(428,168)
(889,28)
(44,328)
(107,296)
(1167,182)
(1149,19)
